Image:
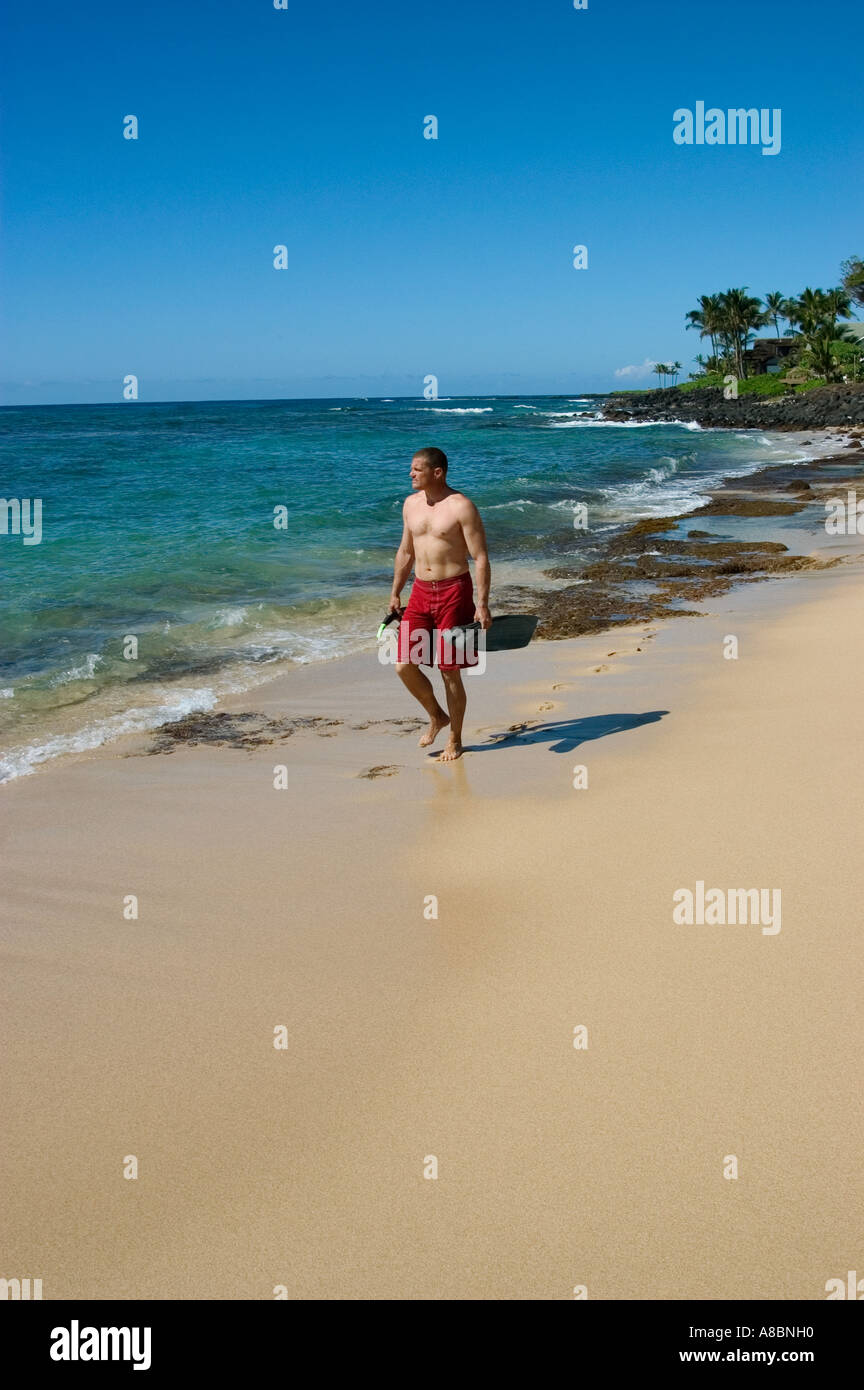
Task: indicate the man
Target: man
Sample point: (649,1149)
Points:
(442,528)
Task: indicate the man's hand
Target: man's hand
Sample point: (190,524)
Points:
(395,603)
(483,616)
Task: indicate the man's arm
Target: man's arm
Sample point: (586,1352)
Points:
(403,565)
(475,539)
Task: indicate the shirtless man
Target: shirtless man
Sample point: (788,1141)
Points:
(442,528)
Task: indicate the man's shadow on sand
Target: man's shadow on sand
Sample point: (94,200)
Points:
(566,734)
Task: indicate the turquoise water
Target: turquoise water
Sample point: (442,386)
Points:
(157,523)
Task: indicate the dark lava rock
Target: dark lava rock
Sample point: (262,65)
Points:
(816,409)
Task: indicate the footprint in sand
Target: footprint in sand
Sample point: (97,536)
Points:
(547,704)
(562,685)
(600,670)
(513,731)
(382,770)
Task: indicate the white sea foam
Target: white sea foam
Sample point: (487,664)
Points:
(7,693)
(324,644)
(668,466)
(85,672)
(623,424)
(662,490)
(19,762)
(229,617)
(635,500)
(654,494)
(566,504)
(460,409)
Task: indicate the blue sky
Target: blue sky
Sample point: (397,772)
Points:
(406,256)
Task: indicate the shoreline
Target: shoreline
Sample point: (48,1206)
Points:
(648,575)
(626,585)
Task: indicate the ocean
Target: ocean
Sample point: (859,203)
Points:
(158,530)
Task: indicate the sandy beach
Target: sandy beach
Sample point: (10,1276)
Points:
(424,941)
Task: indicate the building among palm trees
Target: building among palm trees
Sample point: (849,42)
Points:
(767,355)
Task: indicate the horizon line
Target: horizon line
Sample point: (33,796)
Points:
(276,400)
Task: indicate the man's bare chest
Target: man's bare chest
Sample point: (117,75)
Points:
(434,524)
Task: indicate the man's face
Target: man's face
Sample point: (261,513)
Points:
(422,476)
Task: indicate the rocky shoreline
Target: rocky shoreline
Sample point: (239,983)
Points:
(657,569)
(817,409)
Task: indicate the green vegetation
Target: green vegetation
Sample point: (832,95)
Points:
(701,382)
(810,385)
(769,384)
(820,343)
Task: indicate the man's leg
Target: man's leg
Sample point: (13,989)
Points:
(456,701)
(420,687)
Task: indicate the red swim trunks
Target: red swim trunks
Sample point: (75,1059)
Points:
(434,606)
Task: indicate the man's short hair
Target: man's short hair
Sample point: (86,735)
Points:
(435,458)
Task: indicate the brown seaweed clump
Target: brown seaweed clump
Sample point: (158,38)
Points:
(252,730)
(245,731)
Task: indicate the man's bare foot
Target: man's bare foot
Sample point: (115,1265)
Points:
(438,722)
(452,751)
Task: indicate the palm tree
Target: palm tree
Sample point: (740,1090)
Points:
(675,369)
(814,308)
(775,309)
(741,314)
(817,313)
(821,348)
(839,304)
(853,278)
(790,314)
(662,370)
(707,319)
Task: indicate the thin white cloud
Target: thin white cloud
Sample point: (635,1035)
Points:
(643,370)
